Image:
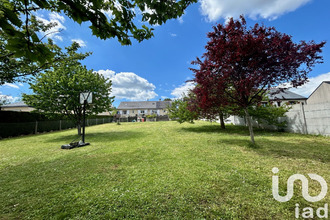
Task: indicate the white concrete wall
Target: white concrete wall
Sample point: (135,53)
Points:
(320,95)
(317,118)
(315,121)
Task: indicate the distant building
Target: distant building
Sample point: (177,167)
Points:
(285,97)
(143,108)
(321,94)
(17,107)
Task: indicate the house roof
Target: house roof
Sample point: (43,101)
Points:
(327,82)
(144,105)
(285,95)
(16,104)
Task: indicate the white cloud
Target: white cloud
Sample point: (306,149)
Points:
(56,17)
(53,32)
(107,73)
(128,85)
(11,85)
(267,9)
(182,90)
(80,42)
(313,83)
(173,35)
(6,99)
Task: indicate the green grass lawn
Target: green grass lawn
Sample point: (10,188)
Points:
(157,170)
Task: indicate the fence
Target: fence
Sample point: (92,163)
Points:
(24,128)
(304,119)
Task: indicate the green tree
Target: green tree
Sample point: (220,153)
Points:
(270,115)
(14,69)
(19,67)
(179,111)
(19,27)
(57,91)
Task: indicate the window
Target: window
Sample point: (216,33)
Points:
(164,111)
(124,112)
(142,111)
(133,111)
(154,111)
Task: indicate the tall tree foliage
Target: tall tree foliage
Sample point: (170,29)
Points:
(210,96)
(57,91)
(181,111)
(18,66)
(20,32)
(248,61)
(20,69)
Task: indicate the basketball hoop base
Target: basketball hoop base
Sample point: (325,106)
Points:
(74,145)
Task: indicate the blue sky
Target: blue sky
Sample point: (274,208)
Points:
(159,67)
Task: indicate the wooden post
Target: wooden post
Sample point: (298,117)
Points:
(60,125)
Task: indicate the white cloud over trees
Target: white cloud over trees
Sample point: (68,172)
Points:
(314,82)
(80,42)
(130,86)
(54,32)
(182,90)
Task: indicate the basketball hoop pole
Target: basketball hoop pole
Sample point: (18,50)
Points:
(84,113)
(85,98)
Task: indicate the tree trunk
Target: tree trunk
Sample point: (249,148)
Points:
(249,122)
(222,122)
(79,129)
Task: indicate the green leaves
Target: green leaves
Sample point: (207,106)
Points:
(57,91)
(180,112)
(20,28)
(269,114)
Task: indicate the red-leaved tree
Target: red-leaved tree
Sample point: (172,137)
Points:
(246,62)
(209,94)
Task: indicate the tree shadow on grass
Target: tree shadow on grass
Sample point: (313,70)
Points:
(304,149)
(308,147)
(230,129)
(108,136)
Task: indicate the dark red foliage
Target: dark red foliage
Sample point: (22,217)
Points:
(209,93)
(240,64)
